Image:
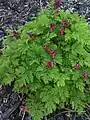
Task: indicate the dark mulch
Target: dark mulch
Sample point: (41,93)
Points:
(14,13)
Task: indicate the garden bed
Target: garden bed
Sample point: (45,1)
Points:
(14,13)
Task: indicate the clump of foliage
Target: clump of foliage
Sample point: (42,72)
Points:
(49,61)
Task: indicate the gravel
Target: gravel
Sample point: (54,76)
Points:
(82,7)
(16,12)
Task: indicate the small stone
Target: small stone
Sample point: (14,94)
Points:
(28,118)
(60,118)
(1,33)
(5,100)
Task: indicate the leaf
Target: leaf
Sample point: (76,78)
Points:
(40,68)
(52,35)
(7,79)
(54,74)
(30,77)
(43,20)
(2,70)
(61,82)
(20,82)
(80,86)
(53,46)
(62,14)
(68,35)
(58,59)
(62,79)
(21,69)
(50,106)
(56,100)
(33,61)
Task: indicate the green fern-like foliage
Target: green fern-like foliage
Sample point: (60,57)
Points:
(49,61)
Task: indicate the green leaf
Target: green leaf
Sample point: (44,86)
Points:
(7,79)
(33,61)
(50,106)
(61,82)
(40,68)
(52,35)
(58,59)
(43,20)
(21,69)
(30,76)
(56,100)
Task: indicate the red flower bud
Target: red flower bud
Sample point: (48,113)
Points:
(65,23)
(52,26)
(32,36)
(61,31)
(49,64)
(57,4)
(23,109)
(47,49)
(84,75)
(53,53)
(77,67)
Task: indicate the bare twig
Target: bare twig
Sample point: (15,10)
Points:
(23,115)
